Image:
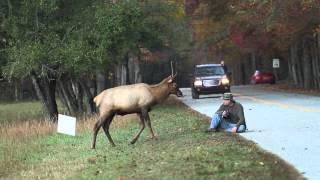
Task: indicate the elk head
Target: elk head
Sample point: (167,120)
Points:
(174,89)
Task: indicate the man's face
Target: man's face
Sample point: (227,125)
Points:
(226,102)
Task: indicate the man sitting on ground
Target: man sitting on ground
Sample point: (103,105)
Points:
(229,117)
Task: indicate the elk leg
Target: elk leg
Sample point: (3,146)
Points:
(147,119)
(142,128)
(106,126)
(96,129)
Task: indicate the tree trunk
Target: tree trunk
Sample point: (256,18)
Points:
(101,82)
(40,95)
(293,60)
(134,74)
(89,97)
(316,67)
(121,74)
(297,64)
(300,63)
(306,64)
(93,86)
(66,94)
(46,95)
(78,94)
(9,9)
(243,73)
(117,76)
(64,101)
(17,91)
(51,98)
(236,74)
(124,74)
(290,75)
(247,68)
(318,58)
(314,63)
(253,62)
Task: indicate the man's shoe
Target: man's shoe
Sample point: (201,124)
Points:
(211,130)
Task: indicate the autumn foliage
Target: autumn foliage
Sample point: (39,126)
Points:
(261,29)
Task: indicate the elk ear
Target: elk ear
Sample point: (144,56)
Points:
(170,80)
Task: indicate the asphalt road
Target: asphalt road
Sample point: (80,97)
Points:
(285,124)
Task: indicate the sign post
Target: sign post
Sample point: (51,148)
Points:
(276,65)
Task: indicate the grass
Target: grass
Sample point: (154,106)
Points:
(182,151)
(23,111)
(19,111)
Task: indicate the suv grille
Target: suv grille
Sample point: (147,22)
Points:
(211,82)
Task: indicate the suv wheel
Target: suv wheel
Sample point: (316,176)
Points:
(195,95)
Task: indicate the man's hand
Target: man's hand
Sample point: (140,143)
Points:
(234,130)
(224,113)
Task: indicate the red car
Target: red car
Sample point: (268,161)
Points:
(262,77)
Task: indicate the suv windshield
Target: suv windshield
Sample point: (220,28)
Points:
(209,71)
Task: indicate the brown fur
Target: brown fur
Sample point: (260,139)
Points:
(128,99)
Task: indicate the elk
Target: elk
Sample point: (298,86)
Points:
(129,99)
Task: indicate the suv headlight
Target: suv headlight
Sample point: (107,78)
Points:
(197,82)
(225,80)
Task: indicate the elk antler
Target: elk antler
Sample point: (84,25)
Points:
(174,76)
(171,69)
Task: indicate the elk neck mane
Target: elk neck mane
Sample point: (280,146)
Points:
(160,91)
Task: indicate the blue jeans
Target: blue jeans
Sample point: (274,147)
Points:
(218,120)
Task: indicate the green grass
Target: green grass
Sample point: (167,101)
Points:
(22,111)
(182,151)
(17,111)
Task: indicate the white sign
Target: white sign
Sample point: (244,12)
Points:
(66,125)
(276,63)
